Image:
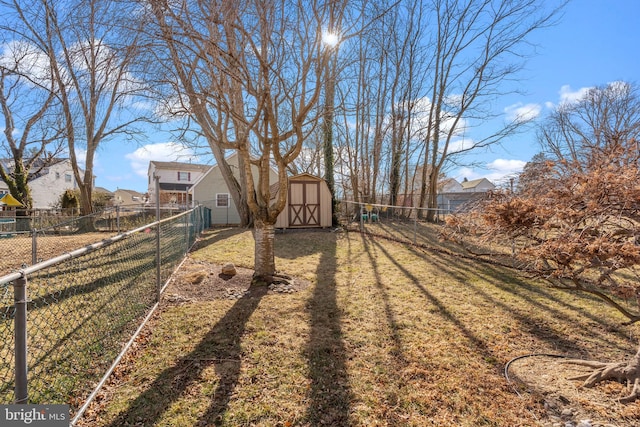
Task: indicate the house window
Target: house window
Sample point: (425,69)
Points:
(184,176)
(222,200)
(67,177)
(57,175)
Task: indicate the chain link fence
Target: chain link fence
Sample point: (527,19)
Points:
(402,223)
(53,232)
(80,308)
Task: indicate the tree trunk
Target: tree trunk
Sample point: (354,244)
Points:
(432,197)
(86,224)
(264,237)
(327,127)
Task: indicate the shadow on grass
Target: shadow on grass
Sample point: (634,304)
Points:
(213,235)
(221,348)
(330,393)
(480,345)
(531,294)
(369,248)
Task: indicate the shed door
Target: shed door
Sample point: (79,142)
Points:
(304,204)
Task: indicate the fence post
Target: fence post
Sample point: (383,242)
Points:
(20,322)
(158,278)
(34,246)
(118,218)
(415,227)
(186,233)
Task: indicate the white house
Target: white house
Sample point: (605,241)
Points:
(211,191)
(49,184)
(175,181)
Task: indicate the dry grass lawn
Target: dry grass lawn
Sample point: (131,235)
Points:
(385,335)
(17,250)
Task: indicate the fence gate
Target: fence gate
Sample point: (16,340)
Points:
(304,203)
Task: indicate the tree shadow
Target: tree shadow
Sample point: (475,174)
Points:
(369,248)
(221,348)
(330,393)
(533,295)
(476,342)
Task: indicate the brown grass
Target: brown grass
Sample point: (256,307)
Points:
(386,335)
(17,250)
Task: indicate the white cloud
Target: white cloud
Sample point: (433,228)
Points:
(500,170)
(461,144)
(162,152)
(468,173)
(81,158)
(420,119)
(506,167)
(520,112)
(25,58)
(567,95)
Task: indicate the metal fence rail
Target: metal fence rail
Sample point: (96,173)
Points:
(81,307)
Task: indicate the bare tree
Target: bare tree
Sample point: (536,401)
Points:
(31,127)
(579,229)
(250,74)
(478,45)
(603,116)
(90,59)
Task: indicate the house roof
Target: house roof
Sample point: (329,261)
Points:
(131,192)
(180,166)
(474,183)
(303,176)
(274,188)
(212,168)
(102,190)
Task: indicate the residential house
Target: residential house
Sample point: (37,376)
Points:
(175,179)
(48,185)
(210,190)
(454,197)
(481,185)
(126,198)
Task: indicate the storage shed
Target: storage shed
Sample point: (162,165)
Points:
(308,203)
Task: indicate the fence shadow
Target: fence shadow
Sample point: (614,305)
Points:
(220,348)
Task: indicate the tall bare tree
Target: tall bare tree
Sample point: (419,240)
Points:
(603,116)
(32,131)
(250,73)
(90,59)
(478,46)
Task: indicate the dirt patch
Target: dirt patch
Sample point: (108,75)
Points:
(204,281)
(566,401)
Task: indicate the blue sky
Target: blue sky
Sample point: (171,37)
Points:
(595,43)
